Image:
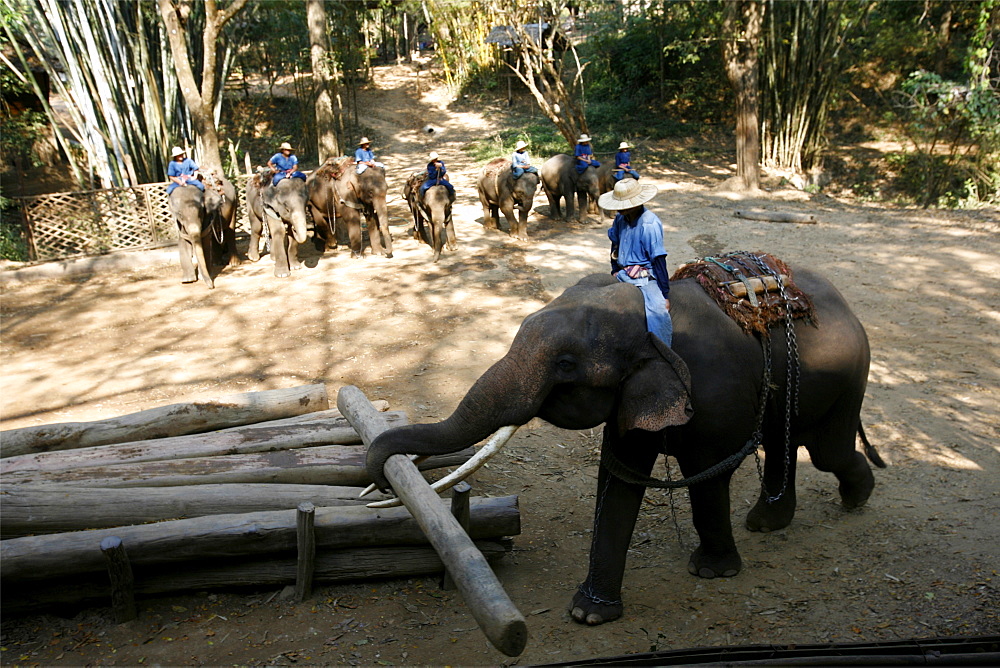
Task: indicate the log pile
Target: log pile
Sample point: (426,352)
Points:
(253,490)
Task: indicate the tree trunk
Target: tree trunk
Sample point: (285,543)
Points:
(325,85)
(742,28)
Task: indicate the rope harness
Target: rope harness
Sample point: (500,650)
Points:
(749,265)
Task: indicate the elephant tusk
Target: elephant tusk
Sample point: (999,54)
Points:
(492,446)
(416,459)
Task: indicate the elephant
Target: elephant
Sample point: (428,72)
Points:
(500,191)
(586,359)
(220,209)
(561,181)
(194,237)
(339,195)
(283,206)
(432,221)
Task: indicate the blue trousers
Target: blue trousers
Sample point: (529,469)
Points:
(282,175)
(518,171)
(619,174)
(581,167)
(191,182)
(657,316)
(431,182)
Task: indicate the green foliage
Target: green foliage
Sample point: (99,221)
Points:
(22,128)
(12,243)
(542,137)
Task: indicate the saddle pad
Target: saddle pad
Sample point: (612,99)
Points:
(334,168)
(725,284)
(495,168)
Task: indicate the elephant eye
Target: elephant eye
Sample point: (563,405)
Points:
(566,364)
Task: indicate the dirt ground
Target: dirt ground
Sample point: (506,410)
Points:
(920,560)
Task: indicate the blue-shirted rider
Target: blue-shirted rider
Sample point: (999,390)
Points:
(364,157)
(623,163)
(284,164)
(584,154)
(436,175)
(182,171)
(520,161)
(637,253)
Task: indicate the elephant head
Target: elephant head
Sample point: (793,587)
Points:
(588,189)
(370,190)
(287,202)
(584,359)
(436,204)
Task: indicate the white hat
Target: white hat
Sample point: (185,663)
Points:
(433,155)
(520,144)
(623,145)
(285,146)
(176,151)
(626,195)
(584,137)
(364,140)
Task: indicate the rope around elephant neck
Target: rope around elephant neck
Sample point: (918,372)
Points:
(623,472)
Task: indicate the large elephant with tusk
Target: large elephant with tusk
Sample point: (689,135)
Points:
(339,198)
(586,359)
(282,207)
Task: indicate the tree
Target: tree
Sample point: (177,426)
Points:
(327,145)
(201,99)
(742,28)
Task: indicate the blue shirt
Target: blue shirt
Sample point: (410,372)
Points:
(520,159)
(640,243)
(186,166)
(284,163)
(435,170)
(584,149)
(364,155)
(622,158)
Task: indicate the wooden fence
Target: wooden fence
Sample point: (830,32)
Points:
(95,222)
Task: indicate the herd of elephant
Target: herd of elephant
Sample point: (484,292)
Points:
(338,200)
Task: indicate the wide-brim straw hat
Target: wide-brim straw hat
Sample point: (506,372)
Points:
(176,151)
(584,137)
(285,146)
(624,145)
(628,193)
(520,144)
(364,140)
(433,155)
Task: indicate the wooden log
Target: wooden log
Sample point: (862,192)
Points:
(237,536)
(776,217)
(44,509)
(321,465)
(329,414)
(305,534)
(489,604)
(338,566)
(163,421)
(235,441)
(759,285)
(460,509)
(122,582)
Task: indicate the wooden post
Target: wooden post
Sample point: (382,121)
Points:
(492,609)
(460,509)
(122,583)
(305,532)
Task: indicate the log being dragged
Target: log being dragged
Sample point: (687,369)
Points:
(235,441)
(321,465)
(335,566)
(43,509)
(237,536)
(163,421)
(776,216)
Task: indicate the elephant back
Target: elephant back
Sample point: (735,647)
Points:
(333,168)
(412,186)
(491,175)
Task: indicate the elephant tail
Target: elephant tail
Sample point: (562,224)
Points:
(870,450)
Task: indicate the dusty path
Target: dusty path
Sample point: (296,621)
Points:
(919,561)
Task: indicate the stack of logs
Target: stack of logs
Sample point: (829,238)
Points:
(252,490)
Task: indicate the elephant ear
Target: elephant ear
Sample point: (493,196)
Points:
(657,393)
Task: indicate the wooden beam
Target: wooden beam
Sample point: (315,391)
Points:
(492,609)
(305,535)
(122,582)
(163,421)
(776,216)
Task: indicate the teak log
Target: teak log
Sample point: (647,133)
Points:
(174,420)
(320,465)
(237,536)
(237,441)
(44,509)
(759,284)
(349,565)
(776,217)
(460,509)
(492,609)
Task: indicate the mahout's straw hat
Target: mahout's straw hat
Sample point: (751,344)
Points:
(433,155)
(624,145)
(584,137)
(364,140)
(628,193)
(285,146)
(176,151)
(520,144)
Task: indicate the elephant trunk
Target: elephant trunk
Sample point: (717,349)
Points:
(299,231)
(502,396)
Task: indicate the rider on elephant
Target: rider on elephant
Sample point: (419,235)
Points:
(182,171)
(584,154)
(520,162)
(364,157)
(436,175)
(284,164)
(623,163)
(637,253)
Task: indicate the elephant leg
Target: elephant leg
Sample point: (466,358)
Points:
(186,252)
(293,253)
(229,239)
(553,205)
(489,214)
(452,238)
(581,204)
(375,237)
(323,236)
(279,249)
(717,555)
(353,221)
(779,481)
(831,447)
(598,599)
(256,227)
(203,255)
(508,214)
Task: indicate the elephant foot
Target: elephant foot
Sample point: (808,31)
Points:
(282,274)
(709,566)
(189,279)
(388,256)
(586,610)
(235,261)
(855,493)
(357,256)
(253,257)
(296,266)
(767,517)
